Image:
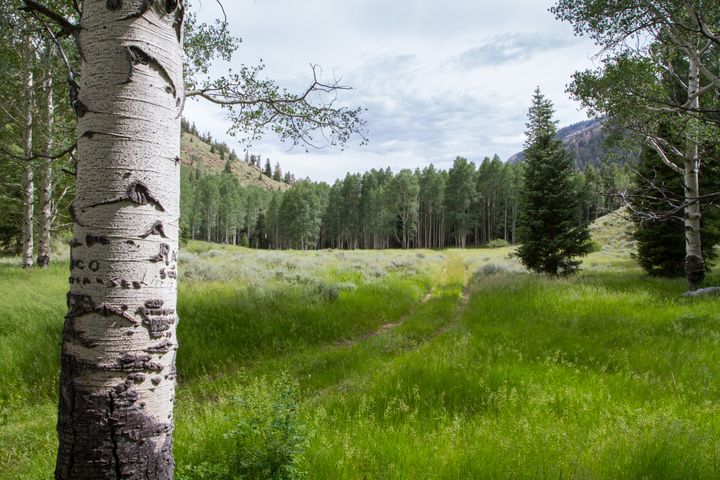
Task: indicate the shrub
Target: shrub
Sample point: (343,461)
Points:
(492,268)
(204,471)
(497,243)
(595,246)
(329,292)
(269,437)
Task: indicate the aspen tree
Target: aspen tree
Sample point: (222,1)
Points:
(118,354)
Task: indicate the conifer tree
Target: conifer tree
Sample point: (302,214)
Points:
(277,172)
(551,240)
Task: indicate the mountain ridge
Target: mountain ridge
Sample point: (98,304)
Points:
(586,140)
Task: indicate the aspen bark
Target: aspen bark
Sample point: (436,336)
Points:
(29,180)
(117,381)
(45,219)
(694,264)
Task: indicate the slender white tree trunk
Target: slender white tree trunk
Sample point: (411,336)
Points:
(694,264)
(46,207)
(117,382)
(29,180)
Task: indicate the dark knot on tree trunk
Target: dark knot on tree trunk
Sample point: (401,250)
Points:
(694,269)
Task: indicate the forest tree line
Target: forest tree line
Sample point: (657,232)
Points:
(467,204)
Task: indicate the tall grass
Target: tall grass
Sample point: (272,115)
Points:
(407,365)
(601,376)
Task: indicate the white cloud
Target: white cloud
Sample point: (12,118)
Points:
(439,78)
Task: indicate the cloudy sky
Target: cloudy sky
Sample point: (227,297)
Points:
(439,78)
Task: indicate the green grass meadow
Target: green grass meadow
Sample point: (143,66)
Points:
(402,365)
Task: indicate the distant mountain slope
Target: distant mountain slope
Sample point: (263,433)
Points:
(586,140)
(196,153)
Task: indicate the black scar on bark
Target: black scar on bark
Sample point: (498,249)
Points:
(156,229)
(74,216)
(158,320)
(79,305)
(137,56)
(154,303)
(136,377)
(170,6)
(107,435)
(178,22)
(90,134)
(43,260)
(91,240)
(144,7)
(80,108)
(113,4)
(168,273)
(161,348)
(694,269)
(138,193)
(72,334)
(76,243)
(181,106)
(137,362)
(163,255)
(74,89)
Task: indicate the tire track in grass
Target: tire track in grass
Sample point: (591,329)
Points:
(351,365)
(385,328)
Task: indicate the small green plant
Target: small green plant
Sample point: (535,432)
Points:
(268,435)
(204,471)
(497,243)
(492,269)
(595,246)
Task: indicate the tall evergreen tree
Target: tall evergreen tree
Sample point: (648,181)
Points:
(551,240)
(277,172)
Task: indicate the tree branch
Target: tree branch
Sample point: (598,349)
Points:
(67,27)
(45,156)
(653,142)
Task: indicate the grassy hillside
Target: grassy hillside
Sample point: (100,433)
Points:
(613,231)
(196,153)
(401,365)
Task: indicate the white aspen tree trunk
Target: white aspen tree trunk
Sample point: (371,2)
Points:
(694,264)
(117,384)
(29,180)
(46,207)
(505,220)
(514,220)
